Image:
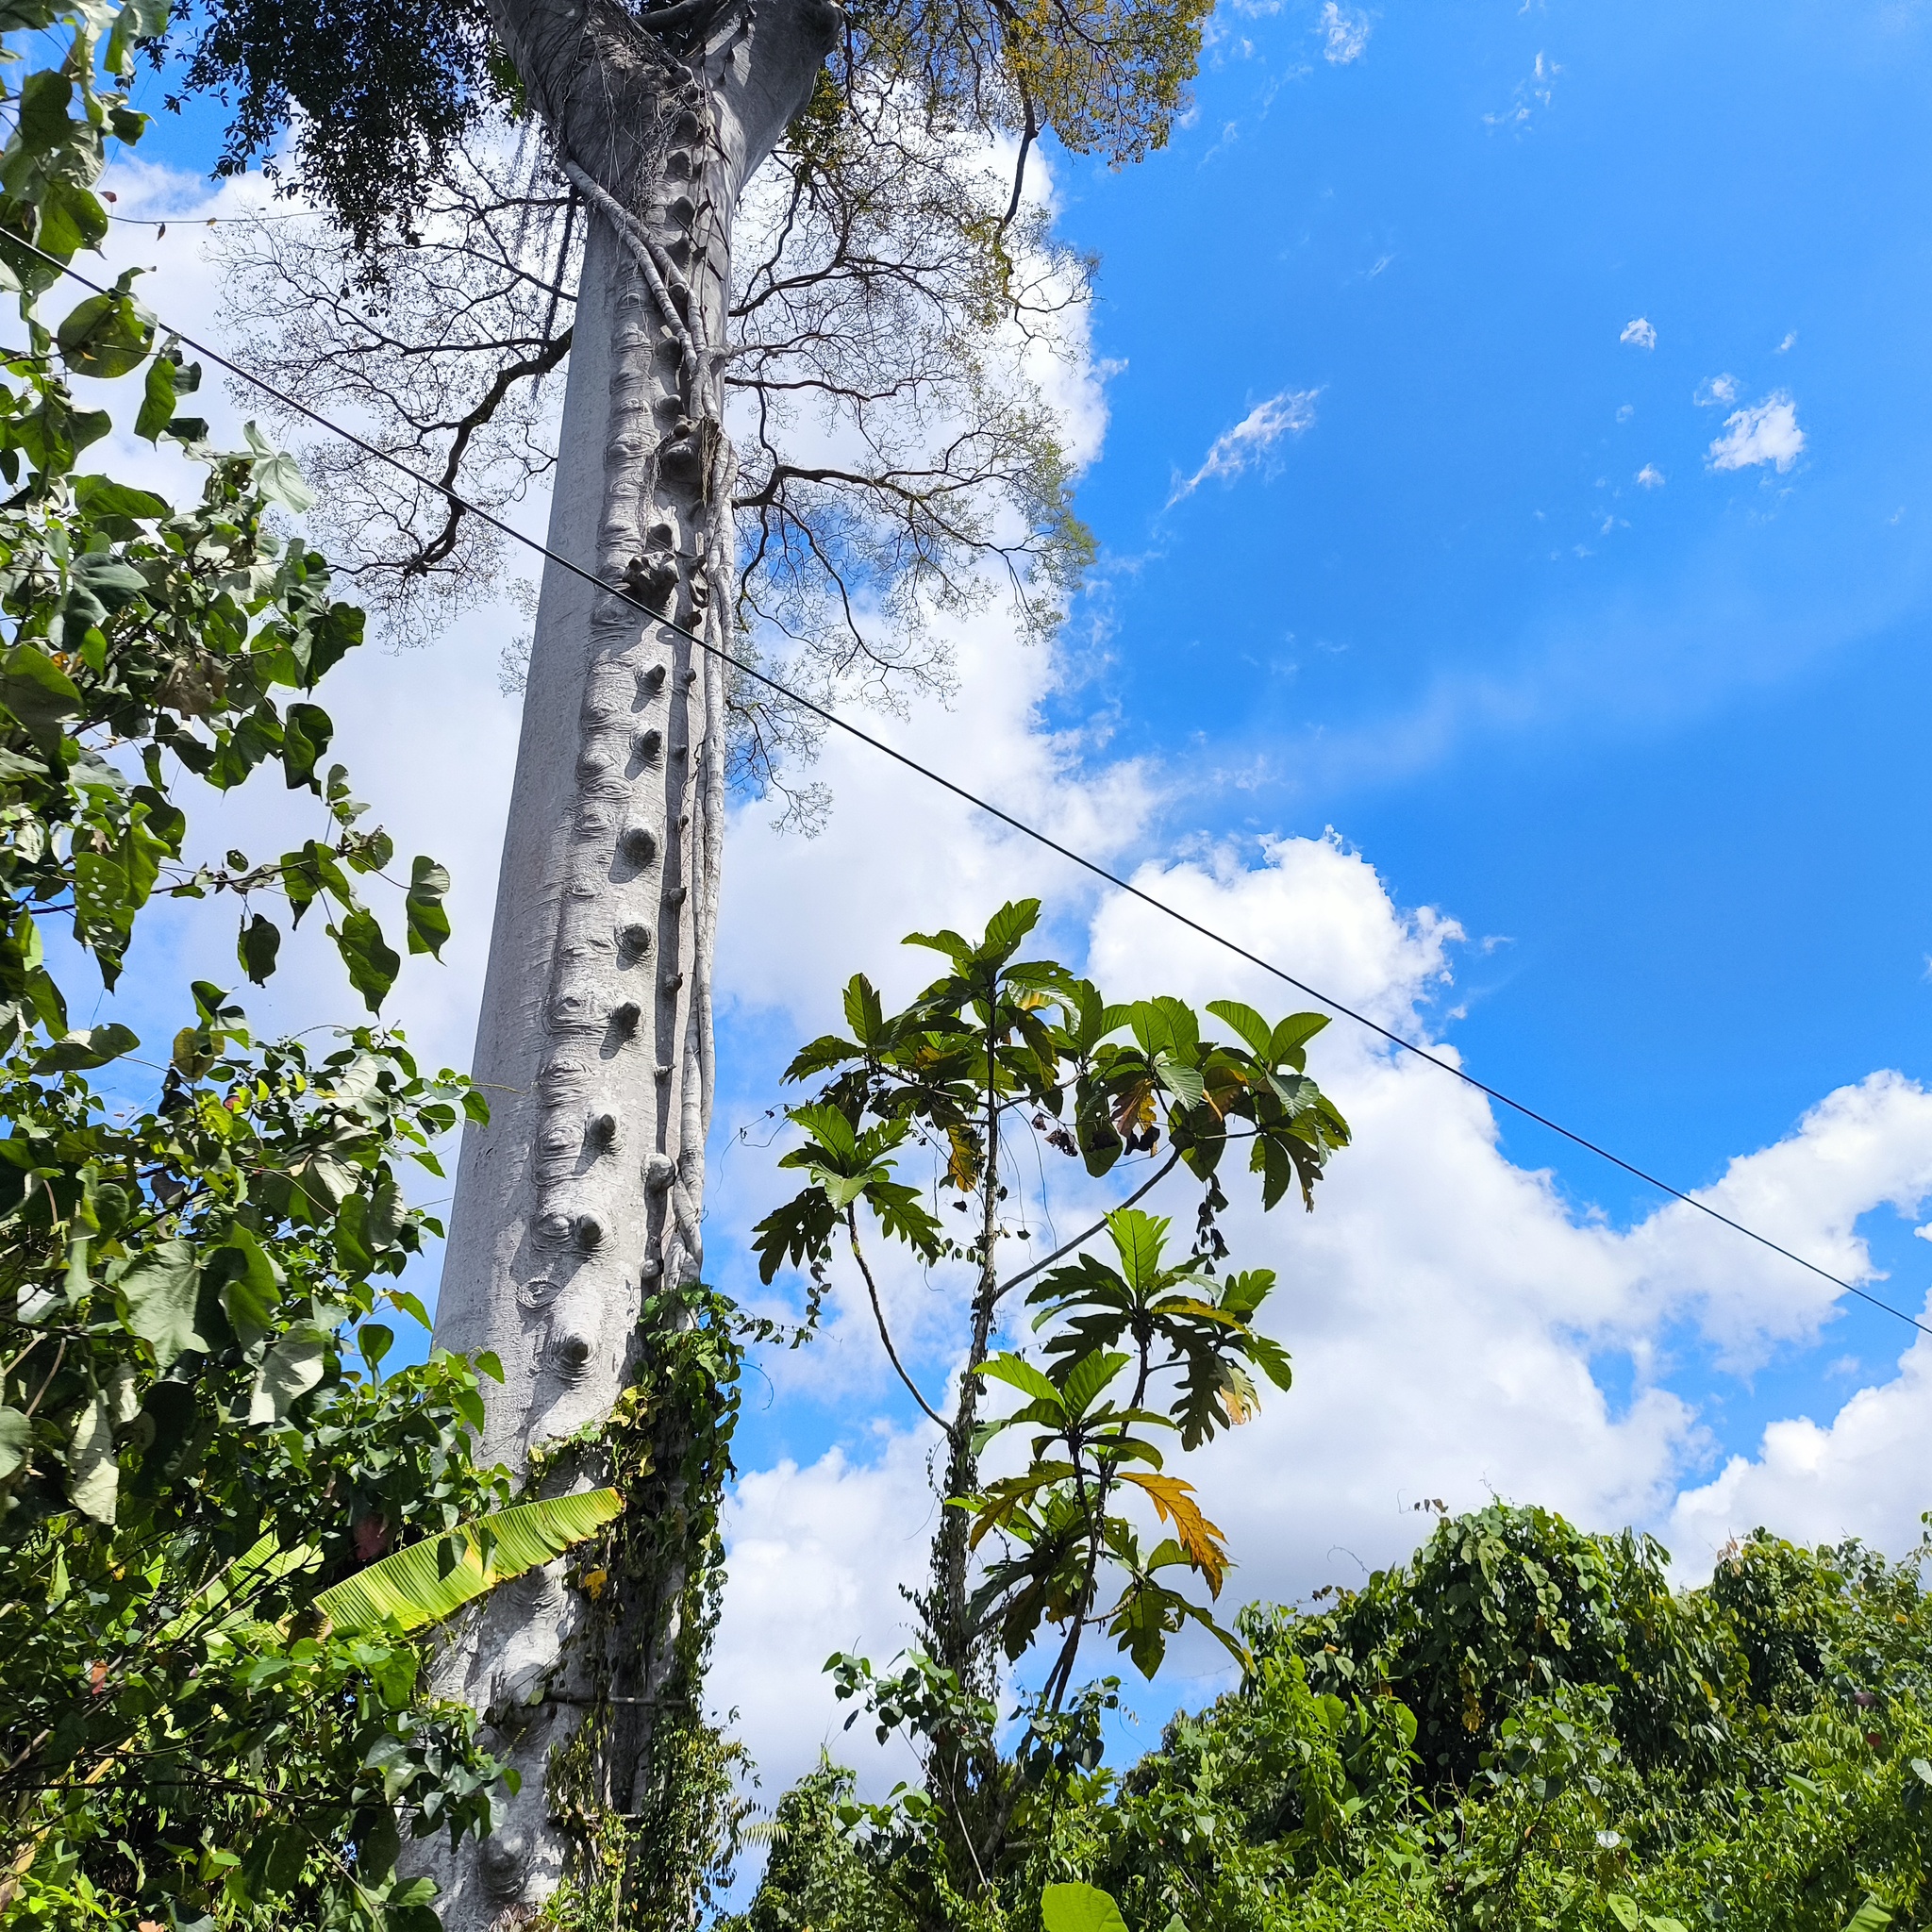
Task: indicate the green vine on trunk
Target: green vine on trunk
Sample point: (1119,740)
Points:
(649,1857)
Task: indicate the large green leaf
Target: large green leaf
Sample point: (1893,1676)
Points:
(1089,1376)
(94,1047)
(1245,1021)
(37,691)
(162,1290)
(1079,1909)
(107,335)
(1020,1373)
(263,1562)
(16,1441)
(407,1587)
(373,962)
(428,919)
(1140,1239)
(293,1365)
(92,1475)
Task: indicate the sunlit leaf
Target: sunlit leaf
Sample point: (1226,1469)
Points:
(160,1291)
(422,1585)
(1079,1909)
(1020,1373)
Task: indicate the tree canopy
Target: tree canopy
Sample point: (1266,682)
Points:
(1524,1727)
(904,323)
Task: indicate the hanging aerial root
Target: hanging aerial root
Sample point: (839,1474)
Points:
(642,252)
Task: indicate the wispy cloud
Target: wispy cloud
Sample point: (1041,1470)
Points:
(1346,34)
(1230,133)
(1537,92)
(1767,432)
(1650,477)
(1639,334)
(1717,390)
(1790,342)
(1252,439)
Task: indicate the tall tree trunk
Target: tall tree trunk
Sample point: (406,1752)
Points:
(594,1048)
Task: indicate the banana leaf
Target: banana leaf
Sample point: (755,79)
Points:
(409,1587)
(265,1562)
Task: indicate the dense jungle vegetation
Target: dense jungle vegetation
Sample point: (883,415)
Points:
(1524,1727)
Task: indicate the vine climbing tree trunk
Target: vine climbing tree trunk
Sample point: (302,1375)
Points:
(582,1199)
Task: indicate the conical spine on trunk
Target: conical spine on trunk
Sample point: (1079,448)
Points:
(585,1194)
(581,1203)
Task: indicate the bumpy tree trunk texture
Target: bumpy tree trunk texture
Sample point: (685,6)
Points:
(594,1045)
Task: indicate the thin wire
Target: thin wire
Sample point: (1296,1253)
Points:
(1006,818)
(184,222)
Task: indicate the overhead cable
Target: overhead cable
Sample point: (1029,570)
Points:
(994,811)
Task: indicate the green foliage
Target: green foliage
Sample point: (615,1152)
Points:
(999,1037)
(173,1288)
(1586,1805)
(434,1579)
(141,639)
(179,1272)
(188,1732)
(192,1471)
(1106,77)
(1514,1603)
(818,1875)
(374,96)
(1040,1038)
(1079,1909)
(1088,1448)
(1140,1351)
(647,1854)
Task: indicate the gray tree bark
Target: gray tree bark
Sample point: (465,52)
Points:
(594,1042)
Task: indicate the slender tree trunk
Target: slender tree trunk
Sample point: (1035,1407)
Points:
(961,1768)
(584,1192)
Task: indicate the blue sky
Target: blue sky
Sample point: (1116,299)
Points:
(1660,738)
(1653,746)
(1662,742)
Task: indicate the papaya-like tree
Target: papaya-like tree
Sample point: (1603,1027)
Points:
(1142,1351)
(579,1207)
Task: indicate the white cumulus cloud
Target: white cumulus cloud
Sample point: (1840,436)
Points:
(1715,392)
(1251,440)
(1861,1473)
(1639,334)
(1767,432)
(1650,477)
(1345,34)
(1446,1305)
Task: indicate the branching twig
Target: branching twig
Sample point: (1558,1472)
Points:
(879,1316)
(1098,1228)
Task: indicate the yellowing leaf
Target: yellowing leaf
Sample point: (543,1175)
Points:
(962,1170)
(1202,1541)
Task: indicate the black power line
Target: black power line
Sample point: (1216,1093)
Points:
(1005,818)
